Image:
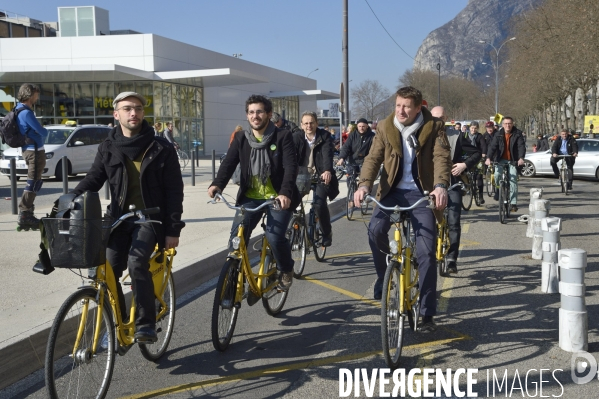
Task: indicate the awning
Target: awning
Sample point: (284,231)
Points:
(211,77)
(319,94)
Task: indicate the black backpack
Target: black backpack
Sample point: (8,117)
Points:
(9,130)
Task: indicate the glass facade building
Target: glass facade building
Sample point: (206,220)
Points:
(91,102)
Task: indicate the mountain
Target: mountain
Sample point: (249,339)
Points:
(457,42)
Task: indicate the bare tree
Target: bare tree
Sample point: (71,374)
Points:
(366,96)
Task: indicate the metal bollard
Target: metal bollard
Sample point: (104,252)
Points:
(541,211)
(213,165)
(65,175)
(13,186)
(535,195)
(193,169)
(551,244)
(573,317)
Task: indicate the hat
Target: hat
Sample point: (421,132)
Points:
(362,120)
(489,124)
(126,94)
(424,103)
(275,117)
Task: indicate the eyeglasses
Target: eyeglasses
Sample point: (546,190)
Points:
(127,108)
(257,112)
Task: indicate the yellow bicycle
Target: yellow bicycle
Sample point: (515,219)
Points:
(442,247)
(230,287)
(89,329)
(400,286)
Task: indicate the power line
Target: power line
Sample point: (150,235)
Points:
(377,18)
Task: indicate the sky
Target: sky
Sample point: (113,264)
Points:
(296,36)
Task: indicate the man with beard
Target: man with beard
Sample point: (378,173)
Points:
(143,171)
(268,169)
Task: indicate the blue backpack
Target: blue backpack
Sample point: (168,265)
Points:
(9,130)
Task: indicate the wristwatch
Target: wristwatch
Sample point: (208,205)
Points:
(440,185)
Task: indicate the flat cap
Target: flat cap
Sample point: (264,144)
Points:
(126,94)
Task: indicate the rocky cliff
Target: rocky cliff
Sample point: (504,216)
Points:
(456,44)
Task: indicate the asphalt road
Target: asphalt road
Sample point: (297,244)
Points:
(492,317)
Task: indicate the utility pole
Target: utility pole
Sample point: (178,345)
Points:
(345,46)
(439,92)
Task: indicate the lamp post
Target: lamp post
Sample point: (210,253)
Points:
(311,72)
(496,68)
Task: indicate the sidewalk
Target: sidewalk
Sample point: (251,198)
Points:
(29,301)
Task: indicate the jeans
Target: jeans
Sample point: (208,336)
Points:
(569,166)
(276,227)
(424,225)
(513,179)
(130,246)
(454,214)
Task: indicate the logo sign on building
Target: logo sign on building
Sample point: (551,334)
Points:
(333,110)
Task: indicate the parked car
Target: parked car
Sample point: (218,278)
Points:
(587,162)
(78,143)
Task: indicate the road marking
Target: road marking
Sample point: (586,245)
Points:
(348,255)
(342,291)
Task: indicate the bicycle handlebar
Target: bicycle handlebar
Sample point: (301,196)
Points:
(397,208)
(274,202)
(564,156)
(141,214)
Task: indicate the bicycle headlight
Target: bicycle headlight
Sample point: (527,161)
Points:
(394,247)
(235,242)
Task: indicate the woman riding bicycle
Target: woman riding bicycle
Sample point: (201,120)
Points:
(268,168)
(314,148)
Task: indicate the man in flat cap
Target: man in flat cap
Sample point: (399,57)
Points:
(142,170)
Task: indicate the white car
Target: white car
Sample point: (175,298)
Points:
(78,143)
(587,162)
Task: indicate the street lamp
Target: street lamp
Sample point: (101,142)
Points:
(496,68)
(311,72)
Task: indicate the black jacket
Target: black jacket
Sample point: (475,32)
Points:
(488,138)
(356,146)
(497,147)
(542,144)
(479,142)
(283,165)
(160,178)
(322,155)
(288,125)
(572,145)
(462,151)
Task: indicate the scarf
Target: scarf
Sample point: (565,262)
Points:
(259,160)
(407,131)
(472,138)
(409,153)
(132,147)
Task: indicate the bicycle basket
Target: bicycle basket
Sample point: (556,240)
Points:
(303,181)
(77,243)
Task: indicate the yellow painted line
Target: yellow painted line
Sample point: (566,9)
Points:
(466,228)
(348,255)
(445,294)
(342,291)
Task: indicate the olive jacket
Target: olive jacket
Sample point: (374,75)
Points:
(433,159)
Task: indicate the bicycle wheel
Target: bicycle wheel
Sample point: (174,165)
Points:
(319,250)
(72,370)
(502,199)
(467,195)
(392,322)
(299,247)
(224,308)
(564,180)
(506,203)
(490,183)
(339,171)
(183,159)
(414,293)
(273,300)
(164,325)
(350,198)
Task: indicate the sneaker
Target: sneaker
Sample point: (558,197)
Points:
(452,267)
(427,325)
(569,186)
(514,208)
(482,198)
(378,289)
(285,280)
(496,195)
(327,240)
(146,335)
(104,341)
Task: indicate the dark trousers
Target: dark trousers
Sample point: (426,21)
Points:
(569,165)
(36,162)
(276,227)
(322,209)
(454,214)
(424,225)
(130,246)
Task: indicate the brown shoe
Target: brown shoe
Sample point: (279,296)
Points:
(285,280)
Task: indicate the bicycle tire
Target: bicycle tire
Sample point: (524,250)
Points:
(319,250)
(491,184)
(164,325)
(501,202)
(274,300)
(71,372)
(350,198)
(564,181)
(392,322)
(467,195)
(183,159)
(506,194)
(339,171)
(299,246)
(226,288)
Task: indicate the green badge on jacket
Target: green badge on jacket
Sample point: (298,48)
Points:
(273,147)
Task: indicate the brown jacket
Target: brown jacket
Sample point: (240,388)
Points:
(433,158)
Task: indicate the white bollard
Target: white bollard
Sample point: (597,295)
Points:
(535,194)
(551,243)
(573,318)
(541,209)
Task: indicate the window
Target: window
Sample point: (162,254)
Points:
(63,101)
(18,31)
(592,146)
(85,135)
(85,21)
(58,136)
(84,99)
(103,97)
(100,135)
(67,23)
(4,32)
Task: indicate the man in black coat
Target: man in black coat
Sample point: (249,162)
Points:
(268,169)
(507,148)
(542,143)
(565,144)
(142,170)
(314,148)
